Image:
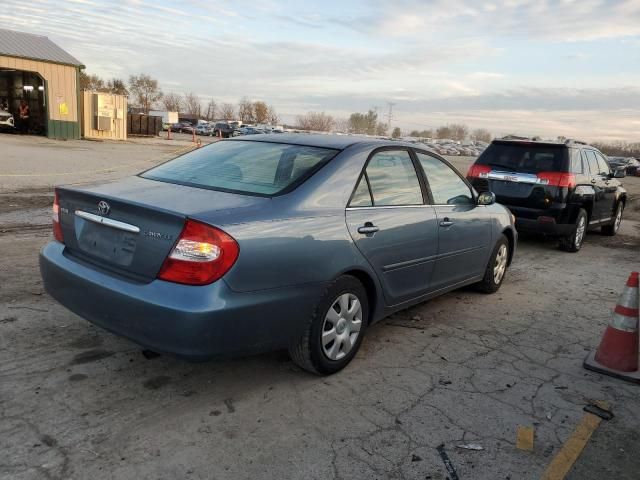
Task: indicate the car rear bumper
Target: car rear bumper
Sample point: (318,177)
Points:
(196,323)
(545,225)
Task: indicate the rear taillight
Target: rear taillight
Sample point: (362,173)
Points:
(557,179)
(478,171)
(57,228)
(201,256)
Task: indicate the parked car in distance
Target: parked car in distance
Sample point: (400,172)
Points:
(631,166)
(224,130)
(6,119)
(254,244)
(203,130)
(556,188)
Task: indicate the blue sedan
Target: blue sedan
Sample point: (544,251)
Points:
(259,243)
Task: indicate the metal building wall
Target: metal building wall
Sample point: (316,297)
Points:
(62,94)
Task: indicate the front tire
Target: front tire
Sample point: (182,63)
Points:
(335,330)
(573,242)
(496,268)
(611,230)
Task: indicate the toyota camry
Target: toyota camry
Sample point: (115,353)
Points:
(299,242)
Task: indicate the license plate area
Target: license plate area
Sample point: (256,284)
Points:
(104,242)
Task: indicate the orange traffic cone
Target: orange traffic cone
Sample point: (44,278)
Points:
(617,354)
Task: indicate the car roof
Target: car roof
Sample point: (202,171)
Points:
(338,142)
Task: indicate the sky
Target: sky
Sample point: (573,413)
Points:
(532,67)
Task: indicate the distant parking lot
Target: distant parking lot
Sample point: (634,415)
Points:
(78,402)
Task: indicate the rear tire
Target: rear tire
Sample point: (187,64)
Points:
(573,242)
(496,268)
(611,230)
(335,330)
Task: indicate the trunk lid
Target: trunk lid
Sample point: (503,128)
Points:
(130,226)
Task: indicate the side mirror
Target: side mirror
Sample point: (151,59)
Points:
(486,198)
(619,173)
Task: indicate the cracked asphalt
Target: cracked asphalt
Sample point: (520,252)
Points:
(77,402)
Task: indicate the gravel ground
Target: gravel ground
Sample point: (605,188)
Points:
(77,402)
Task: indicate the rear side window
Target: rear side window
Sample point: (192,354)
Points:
(525,157)
(576,161)
(393,179)
(258,168)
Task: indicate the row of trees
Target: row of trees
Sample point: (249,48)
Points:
(145,93)
(454,131)
(619,149)
(362,123)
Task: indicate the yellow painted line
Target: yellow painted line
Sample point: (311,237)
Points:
(572,448)
(524,439)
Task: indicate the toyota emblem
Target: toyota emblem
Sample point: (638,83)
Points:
(103,207)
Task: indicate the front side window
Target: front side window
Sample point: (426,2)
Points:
(446,185)
(593,162)
(393,179)
(260,168)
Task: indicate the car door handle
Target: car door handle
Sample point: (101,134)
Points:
(368,228)
(446,222)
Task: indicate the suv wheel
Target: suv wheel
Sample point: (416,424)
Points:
(613,228)
(573,242)
(496,268)
(336,328)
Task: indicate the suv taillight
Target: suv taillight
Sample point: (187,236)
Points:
(57,228)
(557,179)
(478,171)
(202,255)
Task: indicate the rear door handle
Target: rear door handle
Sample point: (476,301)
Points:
(446,222)
(368,229)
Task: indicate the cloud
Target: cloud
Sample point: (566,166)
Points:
(491,64)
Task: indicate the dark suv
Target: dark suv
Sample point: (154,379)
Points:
(223,130)
(555,188)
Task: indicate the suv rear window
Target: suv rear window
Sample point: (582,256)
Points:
(525,157)
(255,168)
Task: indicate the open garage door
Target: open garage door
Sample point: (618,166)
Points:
(20,89)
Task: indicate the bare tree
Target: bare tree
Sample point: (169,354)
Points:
(443,132)
(227,111)
(341,125)
(274,118)
(396,133)
(318,121)
(481,134)
(421,134)
(382,129)
(172,102)
(117,87)
(91,82)
(260,112)
(458,131)
(192,104)
(364,122)
(245,110)
(145,91)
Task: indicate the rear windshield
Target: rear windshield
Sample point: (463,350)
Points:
(527,158)
(256,168)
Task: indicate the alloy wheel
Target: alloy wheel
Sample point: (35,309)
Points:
(580,230)
(501,264)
